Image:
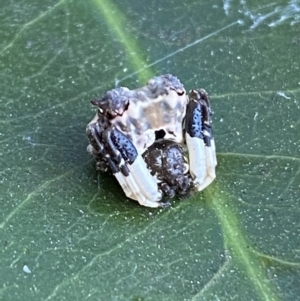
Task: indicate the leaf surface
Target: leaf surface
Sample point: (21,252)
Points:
(68,232)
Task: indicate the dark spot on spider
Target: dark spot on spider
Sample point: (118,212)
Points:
(122,126)
(138,131)
(126,107)
(165,106)
(180,93)
(160,134)
(172,133)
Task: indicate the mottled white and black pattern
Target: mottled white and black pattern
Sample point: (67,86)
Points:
(167,162)
(139,113)
(136,135)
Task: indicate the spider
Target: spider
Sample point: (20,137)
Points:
(139,136)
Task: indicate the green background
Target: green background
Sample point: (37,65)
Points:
(68,232)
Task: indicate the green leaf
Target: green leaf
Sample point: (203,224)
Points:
(68,232)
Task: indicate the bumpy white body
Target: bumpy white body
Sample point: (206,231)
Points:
(145,116)
(139,114)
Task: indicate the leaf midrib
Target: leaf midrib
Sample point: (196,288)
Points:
(229,221)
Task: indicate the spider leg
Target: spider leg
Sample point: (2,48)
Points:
(126,164)
(199,140)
